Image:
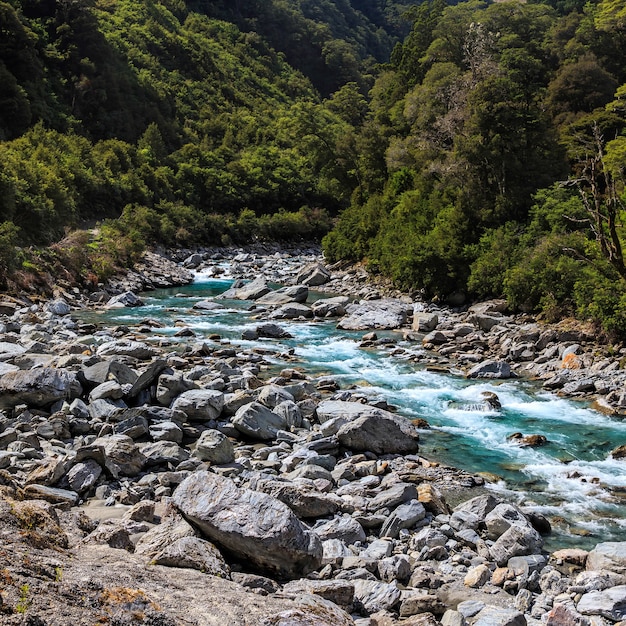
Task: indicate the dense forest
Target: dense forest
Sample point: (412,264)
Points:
(467,150)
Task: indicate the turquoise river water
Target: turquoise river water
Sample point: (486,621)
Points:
(572,479)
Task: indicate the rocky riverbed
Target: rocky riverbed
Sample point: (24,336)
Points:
(188,482)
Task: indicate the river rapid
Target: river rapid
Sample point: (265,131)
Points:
(572,479)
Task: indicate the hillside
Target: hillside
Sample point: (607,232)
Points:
(470,150)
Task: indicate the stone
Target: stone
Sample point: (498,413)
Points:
(83,476)
(495,616)
(313,275)
(285,295)
(248,291)
(395,567)
(302,500)
(122,300)
(166,431)
(53,495)
(271,331)
(341,592)
(610,603)
(375,314)
(193,553)
(257,421)
(405,516)
(502,517)
(200,404)
(490,369)
(291,311)
(38,388)
(171,529)
(170,386)
(163,453)
(377,596)
(134,427)
(563,615)
(330,307)
(127,347)
(122,456)
(477,577)
(345,528)
(610,556)
(380,432)
(58,306)
(272,395)
(425,322)
(106,370)
(214,447)
(518,540)
(253,526)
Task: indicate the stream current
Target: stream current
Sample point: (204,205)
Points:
(572,479)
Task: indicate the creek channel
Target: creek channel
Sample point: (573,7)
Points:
(572,479)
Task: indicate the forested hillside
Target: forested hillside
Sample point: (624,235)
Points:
(500,159)
(468,150)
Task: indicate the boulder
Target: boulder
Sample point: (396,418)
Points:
(257,421)
(214,447)
(291,311)
(247,291)
(381,432)
(610,603)
(127,347)
(122,456)
(377,314)
(200,404)
(424,322)
(126,299)
(330,307)
(518,540)
(345,528)
(105,371)
(193,553)
(313,275)
(256,528)
(285,295)
(610,556)
(490,369)
(271,331)
(377,596)
(495,616)
(38,388)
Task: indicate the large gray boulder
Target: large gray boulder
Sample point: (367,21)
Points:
(122,455)
(378,314)
(257,421)
(200,404)
(330,307)
(518,540)
(610,603)
(609,556)
(254,527)
(38,388)
(247,291)
(285,295)
(215,447)
(490,369)
(362,427)
(127,347)
(313,275)
(291,311)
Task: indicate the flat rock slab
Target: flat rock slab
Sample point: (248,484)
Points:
(254,527)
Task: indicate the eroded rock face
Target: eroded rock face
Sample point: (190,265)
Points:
(250,525)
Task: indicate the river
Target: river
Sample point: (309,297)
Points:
(572,480)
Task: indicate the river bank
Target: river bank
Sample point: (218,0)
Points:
(327,514)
